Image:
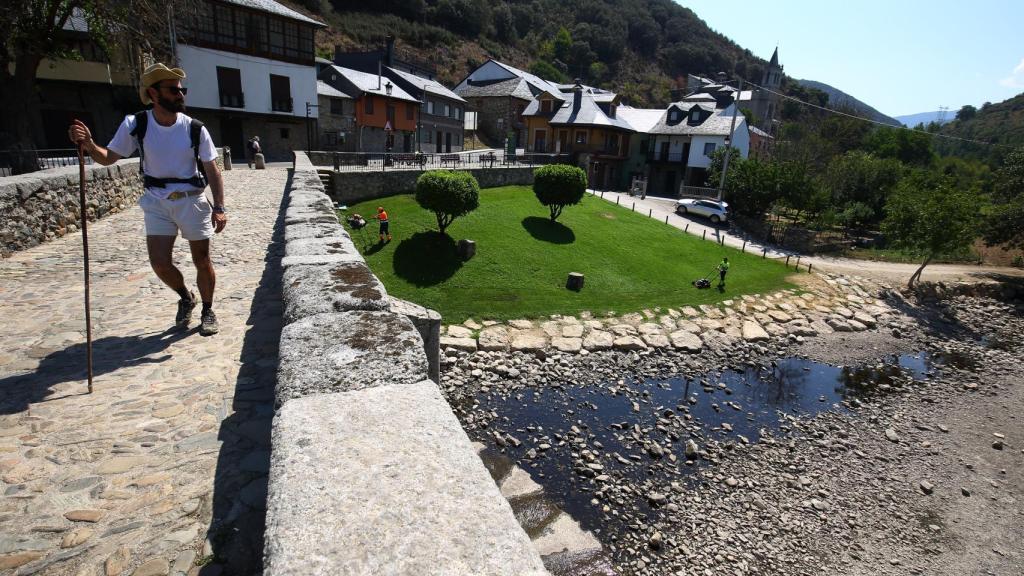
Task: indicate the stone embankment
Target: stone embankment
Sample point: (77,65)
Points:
(838,306)
(370,471)
(41,206)
(350,187)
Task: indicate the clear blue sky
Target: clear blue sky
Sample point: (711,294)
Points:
(899,56)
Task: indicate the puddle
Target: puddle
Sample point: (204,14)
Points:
(627,423)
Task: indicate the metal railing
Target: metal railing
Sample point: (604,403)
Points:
(282,105)
(659,156)
(232,100)
(383,162)
(24,161)
(697,192)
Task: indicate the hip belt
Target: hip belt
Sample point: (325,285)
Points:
(151,182)
(183,194)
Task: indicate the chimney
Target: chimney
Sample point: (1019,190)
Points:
(337,50)
(389,54)
(577,96)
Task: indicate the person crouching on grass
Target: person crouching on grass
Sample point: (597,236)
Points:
(176,157)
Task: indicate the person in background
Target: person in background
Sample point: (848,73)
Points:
(723,269)
(252,148)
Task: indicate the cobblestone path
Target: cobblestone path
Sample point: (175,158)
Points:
(162,470)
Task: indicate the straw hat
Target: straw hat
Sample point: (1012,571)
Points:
(156,73)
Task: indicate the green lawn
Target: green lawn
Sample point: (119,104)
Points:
(630,261)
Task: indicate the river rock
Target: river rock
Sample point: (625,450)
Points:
(686,341)
(753,332)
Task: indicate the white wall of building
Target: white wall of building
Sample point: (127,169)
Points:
(200,65)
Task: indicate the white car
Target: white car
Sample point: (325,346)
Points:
(711,209)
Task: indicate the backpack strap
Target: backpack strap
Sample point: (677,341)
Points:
(141,123)
(195,130)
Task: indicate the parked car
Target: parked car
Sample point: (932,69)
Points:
(711,209)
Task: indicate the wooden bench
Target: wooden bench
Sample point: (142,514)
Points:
(410,159)
(452,159)
(488,159)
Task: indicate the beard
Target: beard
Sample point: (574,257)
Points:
(171,105)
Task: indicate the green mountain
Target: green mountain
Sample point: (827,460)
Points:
(1000,123)
(642,49)
(839,100)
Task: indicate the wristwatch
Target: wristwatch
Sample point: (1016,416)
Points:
(220,210)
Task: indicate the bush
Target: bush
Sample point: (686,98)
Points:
(448,194)
(558,186)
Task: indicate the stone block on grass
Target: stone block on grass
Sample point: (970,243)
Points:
(385,481)
(338,352)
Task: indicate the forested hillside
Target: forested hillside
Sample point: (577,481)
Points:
(841,100)
(639,48)
(1001,123)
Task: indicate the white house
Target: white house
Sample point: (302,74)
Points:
(251,72)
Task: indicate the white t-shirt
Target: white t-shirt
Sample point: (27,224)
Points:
(168,150)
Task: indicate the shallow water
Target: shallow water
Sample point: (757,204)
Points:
(621,418)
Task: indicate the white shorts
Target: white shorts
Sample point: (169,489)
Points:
(191,215)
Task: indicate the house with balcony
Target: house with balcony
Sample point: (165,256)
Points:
(583,123)
(442,112)
(251,72)
(499,94)
(680,144)
(386,116)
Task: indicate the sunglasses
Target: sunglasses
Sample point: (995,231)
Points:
(174,90)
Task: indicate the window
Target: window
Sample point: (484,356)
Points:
(430,107)
(410,111)
(276,37)
(280,94)
(709,149)
(447,111)
(429,137)
(229,83)
(284,133)
(581,137)
(337,106)
(225,27)
(291,39)
(545,105)
(368,105)
(390,112)
(458,113)
(332,138)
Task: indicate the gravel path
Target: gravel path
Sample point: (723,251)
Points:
(883,271)
(164,465)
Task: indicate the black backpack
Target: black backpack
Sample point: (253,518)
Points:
(195,128)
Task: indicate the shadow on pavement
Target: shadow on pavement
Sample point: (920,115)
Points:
(545,230)
(240,483)
(109,354)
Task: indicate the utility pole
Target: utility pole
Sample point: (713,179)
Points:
(732,130)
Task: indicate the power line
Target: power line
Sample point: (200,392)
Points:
(854,116)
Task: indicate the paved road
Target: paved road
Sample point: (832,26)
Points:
(174,442)
(888,271)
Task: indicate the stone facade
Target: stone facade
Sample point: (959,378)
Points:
(336,124)
(279,135)
(499,115)
(41,206)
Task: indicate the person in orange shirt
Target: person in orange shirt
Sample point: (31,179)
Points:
(383,217)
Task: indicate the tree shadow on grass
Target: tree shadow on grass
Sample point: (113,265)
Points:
(426,259)
(545,230)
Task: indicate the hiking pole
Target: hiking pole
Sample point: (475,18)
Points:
(85,252)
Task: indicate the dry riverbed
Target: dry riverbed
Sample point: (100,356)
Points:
(895,450)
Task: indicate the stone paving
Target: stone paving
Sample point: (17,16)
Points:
(162,470)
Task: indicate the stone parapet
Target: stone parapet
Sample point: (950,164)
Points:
(371,472)
(41,206)
(353,187)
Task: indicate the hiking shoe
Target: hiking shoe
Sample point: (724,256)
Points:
(185,308)
(209,325)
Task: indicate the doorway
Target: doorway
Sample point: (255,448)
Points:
(447,142)
(231,135)
(439,143)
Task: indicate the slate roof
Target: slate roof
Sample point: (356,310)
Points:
(717,124)
(756,130)
(325,89)
(368,83)
(641,119)
(515,87)
(427,85)
(588,114)
(536,81)
(275,8)
(76,22)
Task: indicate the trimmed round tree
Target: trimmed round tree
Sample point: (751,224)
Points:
(448,194)
(558,186)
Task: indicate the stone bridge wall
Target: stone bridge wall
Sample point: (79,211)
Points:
(353,187)
(370,472)
(41,206)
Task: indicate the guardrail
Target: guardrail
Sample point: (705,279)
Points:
(386,161)
(14,162)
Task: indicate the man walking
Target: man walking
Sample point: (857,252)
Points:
(384,227)
(176,156)
(252,149)
(723,269)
